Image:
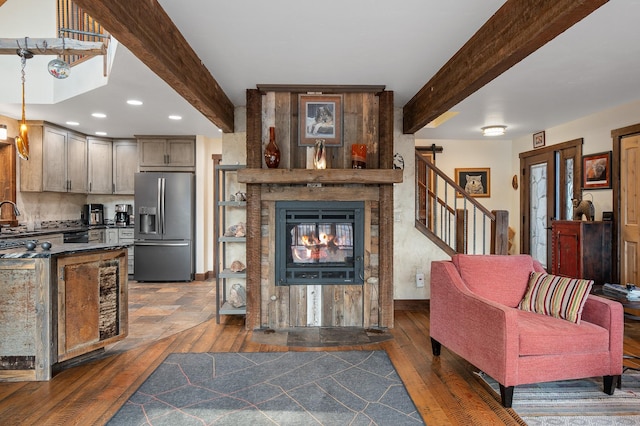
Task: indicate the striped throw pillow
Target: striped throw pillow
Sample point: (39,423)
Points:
(559,297)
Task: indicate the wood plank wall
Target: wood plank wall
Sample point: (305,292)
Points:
(368,119)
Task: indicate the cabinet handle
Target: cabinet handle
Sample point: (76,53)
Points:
(90,184)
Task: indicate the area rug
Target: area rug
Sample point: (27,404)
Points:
(576,402)
(276,388)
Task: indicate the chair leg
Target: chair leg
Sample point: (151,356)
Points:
(610,383)
(506,394)
(435,347)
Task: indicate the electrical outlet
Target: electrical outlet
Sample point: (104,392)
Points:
(419,280)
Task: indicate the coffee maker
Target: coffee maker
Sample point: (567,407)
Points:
(123,214)
(93,214)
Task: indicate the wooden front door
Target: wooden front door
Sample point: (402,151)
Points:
(629,209)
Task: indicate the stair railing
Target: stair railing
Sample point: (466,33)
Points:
(452,218)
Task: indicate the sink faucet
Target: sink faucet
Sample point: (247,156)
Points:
(15,207)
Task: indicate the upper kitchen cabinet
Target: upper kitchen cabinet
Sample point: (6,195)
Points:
(125,166)
(57,160)
(166,153)
(99,157)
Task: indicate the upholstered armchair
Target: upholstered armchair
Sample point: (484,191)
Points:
(520,327)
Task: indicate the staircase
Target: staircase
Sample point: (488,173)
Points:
(452,218)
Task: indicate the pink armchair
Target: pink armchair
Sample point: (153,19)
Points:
(474,313)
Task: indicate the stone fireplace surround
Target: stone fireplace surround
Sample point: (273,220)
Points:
(282,307)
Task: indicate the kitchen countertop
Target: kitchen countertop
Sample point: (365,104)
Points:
(59,230)
(57,250)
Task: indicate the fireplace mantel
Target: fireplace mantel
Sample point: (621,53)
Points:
(328,176)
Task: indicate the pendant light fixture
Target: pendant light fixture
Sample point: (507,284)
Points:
(22,140)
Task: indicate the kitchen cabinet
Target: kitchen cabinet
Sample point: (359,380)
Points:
(57,160)
(159,153)
(582,249)
(59,305)
(99,159)
(229,247)
(125,166)
(111,236)
(96,236)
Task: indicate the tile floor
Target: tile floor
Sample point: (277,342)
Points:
(158,310)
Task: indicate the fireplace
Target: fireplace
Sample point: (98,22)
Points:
(319,243)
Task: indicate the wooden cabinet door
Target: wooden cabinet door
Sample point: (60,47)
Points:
(125,166)
(181,152)
(567,257)
(77,163)
(99,152)
(151,152)
(92,302)
(54,160)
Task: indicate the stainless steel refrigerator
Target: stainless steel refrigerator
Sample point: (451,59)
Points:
(164,226)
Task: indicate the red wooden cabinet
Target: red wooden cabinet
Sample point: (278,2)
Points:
(581,249)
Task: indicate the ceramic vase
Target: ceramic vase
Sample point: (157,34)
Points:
(272,152)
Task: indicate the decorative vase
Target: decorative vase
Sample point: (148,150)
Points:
(272,152)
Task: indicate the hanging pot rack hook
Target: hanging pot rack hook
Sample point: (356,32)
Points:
(24,52)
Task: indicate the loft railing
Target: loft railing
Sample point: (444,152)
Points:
(452,218)
(73,22)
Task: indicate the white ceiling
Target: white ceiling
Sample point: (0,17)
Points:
(593,66)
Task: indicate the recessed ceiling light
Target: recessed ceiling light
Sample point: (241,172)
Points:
(175,117)
(73,123)
(134,102)
(101,133)
(493,130)
(98,115)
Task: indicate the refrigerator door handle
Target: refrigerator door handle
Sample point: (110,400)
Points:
(137,243)
(162,200)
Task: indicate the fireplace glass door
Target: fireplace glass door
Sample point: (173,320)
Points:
(319,243)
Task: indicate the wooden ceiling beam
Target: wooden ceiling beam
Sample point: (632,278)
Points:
(517,29)
(148,32)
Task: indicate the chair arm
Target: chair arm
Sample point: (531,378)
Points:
(608,314)
(481,331)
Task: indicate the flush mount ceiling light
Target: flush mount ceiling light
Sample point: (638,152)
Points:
(175,117)
(98,115)
(493,130)
(101,133)
(73,123)
(134,102)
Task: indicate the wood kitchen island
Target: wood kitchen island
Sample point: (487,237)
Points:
(58,306)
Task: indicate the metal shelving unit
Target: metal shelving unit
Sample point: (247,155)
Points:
(225,208)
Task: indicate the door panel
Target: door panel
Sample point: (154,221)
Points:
(629,209)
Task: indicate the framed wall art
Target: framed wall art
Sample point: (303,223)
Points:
(320,118)
(476,181)
(538,139)
(596,171)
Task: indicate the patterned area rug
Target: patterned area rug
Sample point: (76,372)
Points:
(277,388)
(576,402)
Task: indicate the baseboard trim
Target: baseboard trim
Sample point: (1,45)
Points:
(411,305)
(203,276)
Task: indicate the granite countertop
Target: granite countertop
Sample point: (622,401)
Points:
(57,250)
(59,230)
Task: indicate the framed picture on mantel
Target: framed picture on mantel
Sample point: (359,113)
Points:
(320,118)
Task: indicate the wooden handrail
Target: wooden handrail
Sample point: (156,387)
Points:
(457,226)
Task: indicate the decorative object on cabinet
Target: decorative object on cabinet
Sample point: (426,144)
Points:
(538,139)
(230,240)
(583,207)
(476,181)
(272,151)
(320,116)
(596,171)
(582,249)
(514,181)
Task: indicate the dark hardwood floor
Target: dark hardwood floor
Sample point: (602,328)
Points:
(445,389)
